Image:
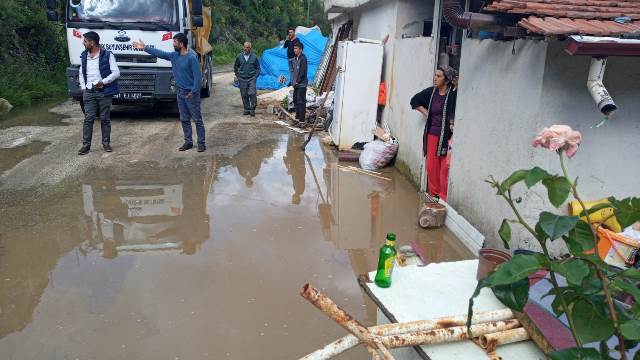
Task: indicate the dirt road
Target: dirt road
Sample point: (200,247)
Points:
(148,253)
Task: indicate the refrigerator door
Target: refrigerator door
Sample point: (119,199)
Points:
(341,63)
(356,97)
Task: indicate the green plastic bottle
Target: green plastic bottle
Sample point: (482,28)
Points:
(385,263)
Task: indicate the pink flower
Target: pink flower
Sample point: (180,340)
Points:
(559,137)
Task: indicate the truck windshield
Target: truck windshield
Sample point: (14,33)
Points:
(123,11)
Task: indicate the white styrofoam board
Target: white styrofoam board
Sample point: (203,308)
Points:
(443,289)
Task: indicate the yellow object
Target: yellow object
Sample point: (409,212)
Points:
(597,217)
(201,34)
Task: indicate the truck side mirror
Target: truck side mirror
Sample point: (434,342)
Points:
(52,15)
(196,13)
(197,21)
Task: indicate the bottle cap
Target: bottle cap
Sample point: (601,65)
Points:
(391,237)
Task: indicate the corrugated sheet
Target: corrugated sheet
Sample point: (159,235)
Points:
(566,17)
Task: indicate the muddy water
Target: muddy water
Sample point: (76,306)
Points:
(35,115)
(200,260)
(10,157)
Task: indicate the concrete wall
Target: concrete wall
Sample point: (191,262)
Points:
(505,99)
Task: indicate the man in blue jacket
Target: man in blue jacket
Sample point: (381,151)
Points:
(186,72)
(99,82)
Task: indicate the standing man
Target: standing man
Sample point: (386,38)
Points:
(98,82)
(289,44)
(186,72)
(247,69)
(299,81)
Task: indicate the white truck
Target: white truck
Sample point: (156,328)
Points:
(144,78)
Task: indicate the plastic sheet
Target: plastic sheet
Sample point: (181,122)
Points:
(274,62)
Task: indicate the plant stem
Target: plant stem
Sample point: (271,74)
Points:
(601,277)
(554,281)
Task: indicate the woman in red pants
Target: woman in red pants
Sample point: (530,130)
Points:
(438,104)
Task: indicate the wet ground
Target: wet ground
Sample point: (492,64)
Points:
(146,253)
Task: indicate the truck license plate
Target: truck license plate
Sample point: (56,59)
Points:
(128,96)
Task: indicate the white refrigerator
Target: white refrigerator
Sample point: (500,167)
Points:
(359,67)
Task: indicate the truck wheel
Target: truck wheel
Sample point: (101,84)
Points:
(206,91)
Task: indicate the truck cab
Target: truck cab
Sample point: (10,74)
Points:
(144,78)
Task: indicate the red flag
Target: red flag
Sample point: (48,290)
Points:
(167,36)
(77,33)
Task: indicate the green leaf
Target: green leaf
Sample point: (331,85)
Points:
(534,176)
(517,268)
(631,273)
(629,288)
(555,226)
(514,295)
(580,239)
(631,329)
(505,233)
(627,210)
(574,271)
(513,179)
(590,324)
(558,189)
(576,353)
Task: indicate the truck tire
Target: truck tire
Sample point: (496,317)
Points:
(208,74)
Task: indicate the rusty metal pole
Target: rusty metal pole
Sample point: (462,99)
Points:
(326,305)
(451,334)
(347,342)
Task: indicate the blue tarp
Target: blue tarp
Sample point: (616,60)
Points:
(273,62)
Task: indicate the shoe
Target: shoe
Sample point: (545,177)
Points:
(202,148)
(246,112)
(107,148)
(253,113)
(185,146)
(84,150)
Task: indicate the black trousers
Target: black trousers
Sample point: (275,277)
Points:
(300,102)
(95,103)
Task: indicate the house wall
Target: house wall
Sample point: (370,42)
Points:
(505,100)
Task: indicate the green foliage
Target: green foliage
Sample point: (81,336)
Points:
(34,53)
(587,299)
(262,22)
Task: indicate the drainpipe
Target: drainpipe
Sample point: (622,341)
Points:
(596,88)
(457,17)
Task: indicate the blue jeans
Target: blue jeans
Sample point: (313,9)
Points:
(190,109)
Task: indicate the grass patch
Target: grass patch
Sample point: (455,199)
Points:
(225,53)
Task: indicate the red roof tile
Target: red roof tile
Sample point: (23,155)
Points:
(566,17)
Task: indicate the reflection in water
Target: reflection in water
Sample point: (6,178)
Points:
(295,163)
(148,212)
(249,160)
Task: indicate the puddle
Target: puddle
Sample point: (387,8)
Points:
(33,115)
(10,157)
(201,260)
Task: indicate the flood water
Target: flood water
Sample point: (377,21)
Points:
(200,260)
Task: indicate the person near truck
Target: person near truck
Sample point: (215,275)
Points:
(299,82)
(188,77)
(247,69)
(438,104)
(98,77)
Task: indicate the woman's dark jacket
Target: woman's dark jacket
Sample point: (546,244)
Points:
(423,98)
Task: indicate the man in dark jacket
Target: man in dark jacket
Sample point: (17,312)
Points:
(289,44)
(299,82)
(98,78)
(247,70)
